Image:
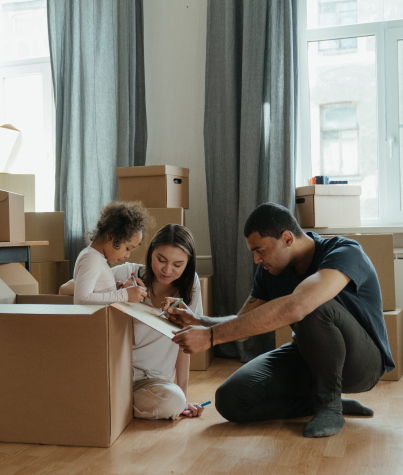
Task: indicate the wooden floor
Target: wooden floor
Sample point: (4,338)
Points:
(210,445)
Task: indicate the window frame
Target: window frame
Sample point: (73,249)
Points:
(387,34)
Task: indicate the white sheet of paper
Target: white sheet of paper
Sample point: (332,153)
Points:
(149,316)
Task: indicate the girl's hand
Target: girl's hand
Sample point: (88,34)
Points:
(130,282)
(136,294)
(119,285)
(193,409)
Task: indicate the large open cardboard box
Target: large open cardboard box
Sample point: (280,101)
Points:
(323,206)
(48,226)
(66,373)
(22,185)
(12,221)
(157,186)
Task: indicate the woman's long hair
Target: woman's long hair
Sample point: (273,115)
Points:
(181,237)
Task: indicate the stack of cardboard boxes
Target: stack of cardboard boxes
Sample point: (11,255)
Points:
(164,191)
(379,248)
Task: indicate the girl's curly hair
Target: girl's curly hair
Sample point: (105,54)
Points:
(120,221)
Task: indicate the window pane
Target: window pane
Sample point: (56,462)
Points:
(24,109)
(343,109)
(23,30)
(400,69)
(322,13)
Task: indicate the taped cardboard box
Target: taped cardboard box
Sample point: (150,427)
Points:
(323,206)
(66,373)
(18,279)
(10,140)
(47,226)
(157,186)
(394,327)
(379,248)
(162,216)
(201,361)
(22,185)
(50,275)
(12,221)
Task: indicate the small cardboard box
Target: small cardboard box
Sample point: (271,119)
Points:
(157,186)
(394,327)
(66,373)
(22,185)
(379,248)
(46,227)
(162,216)
(6,294)
(201,361)
(50,275)
(10,140)
(12,221)
(323,206)
(18,279)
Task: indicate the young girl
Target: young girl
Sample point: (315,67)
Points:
(169,272)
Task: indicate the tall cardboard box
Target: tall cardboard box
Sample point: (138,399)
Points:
(50,275)
(162,216)
(12,221)
(22,185)
(201,361)
(323,206)
(47,226)
(394,327)
(18,279)
(66,374)
(157,186)
(379,248)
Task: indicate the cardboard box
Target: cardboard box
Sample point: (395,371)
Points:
(50,275)
(66,373)
(12,221)
(6,294)
(201,361)
(18,279)
(46,227)
(157,186)
(283,335)
(398,263)
(394,327)
(45,299)
(22,185)
(379,248)
(323,206)
(162,217)
(10,140)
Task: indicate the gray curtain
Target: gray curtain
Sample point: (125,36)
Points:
(97,58)
(249,138)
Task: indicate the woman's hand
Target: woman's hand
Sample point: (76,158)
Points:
(130,282)
(193,409)
(181,315)
(136,294)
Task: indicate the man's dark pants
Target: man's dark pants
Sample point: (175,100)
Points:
(332,354)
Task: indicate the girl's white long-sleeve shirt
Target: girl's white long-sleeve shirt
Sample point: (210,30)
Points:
(94,282)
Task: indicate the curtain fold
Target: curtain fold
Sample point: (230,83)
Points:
(249,138)
(97,59)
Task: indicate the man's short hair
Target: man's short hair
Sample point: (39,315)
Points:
(270,219)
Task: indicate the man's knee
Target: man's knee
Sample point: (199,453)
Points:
(324,314)
(227,403)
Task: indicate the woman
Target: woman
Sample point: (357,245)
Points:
(169,272)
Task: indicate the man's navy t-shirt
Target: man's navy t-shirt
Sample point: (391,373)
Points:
(361,296)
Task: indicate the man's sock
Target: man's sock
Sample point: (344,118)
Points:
(327,421)
(354,407)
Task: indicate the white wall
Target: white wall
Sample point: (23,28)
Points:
(175,56)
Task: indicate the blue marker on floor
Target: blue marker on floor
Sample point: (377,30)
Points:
(205,403)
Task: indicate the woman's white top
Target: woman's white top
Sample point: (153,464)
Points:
(154,354)
(94,282)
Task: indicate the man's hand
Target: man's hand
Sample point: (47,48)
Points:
(181,315)
(193,339)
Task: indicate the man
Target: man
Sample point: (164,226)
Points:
(328,291)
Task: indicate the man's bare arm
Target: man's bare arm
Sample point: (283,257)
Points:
(250,304)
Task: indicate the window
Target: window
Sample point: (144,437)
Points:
(351,100)
(26,97)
